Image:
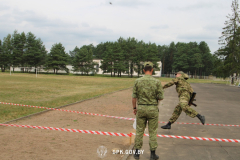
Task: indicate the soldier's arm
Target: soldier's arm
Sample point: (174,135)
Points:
(160,92)
(172,82)
(134,94)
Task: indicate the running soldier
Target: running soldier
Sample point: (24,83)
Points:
(184,91)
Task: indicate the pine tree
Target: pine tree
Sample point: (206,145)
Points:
(131,53)
(108,59)
(73,54)
(57,59)
(181,57)
(83,60)
(139,58)
(151,54)
(229,41)
(22,48)
(35,54)
(16,52)
(118,59)
(6,57)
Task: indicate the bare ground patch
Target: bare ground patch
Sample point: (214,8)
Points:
(22,143)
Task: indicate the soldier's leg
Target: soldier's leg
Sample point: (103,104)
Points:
(183,102)
(188,110)
(176,113)
(191,112)
(141,125)
(152,116)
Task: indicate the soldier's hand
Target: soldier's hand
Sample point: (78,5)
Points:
(135,111)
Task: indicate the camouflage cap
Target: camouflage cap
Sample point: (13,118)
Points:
(148,64)
(180,72)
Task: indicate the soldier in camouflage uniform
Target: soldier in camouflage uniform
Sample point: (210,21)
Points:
(185,91)
(147,91)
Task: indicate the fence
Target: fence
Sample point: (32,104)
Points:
(172,75)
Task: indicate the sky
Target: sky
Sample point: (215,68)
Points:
(83,22)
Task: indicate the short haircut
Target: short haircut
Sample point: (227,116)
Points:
(148,68)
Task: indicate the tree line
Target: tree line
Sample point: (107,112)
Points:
(122,56)
(127,55)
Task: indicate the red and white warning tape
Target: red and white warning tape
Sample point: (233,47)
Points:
(124,118)
(94,114)
(69,130)
(123,134)
(226,125)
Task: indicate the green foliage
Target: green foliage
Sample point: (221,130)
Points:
(127,56)
(35,51)
(229,53)
(6,59)
(83,60)
(57,59)
(16,49)
(22,50)
(189,57)
(122,56)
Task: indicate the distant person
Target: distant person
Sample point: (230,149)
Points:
(184,91)
(147,92)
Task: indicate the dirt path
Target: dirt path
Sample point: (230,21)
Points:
(22,143)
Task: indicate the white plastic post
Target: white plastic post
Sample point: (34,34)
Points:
(10,70)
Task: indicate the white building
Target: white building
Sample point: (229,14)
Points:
(98,69)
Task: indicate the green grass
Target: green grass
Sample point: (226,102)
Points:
(51,91)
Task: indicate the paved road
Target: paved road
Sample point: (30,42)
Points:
(221,105)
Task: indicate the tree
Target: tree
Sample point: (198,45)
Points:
(16,49)
(57,59)
(35,54)
(139,58)
(118,59)
(229,41)
(181,57)
(6,59)
(83,60)
(22,47)
(218,66)
(151,55)
(130,52)
(108,59)
(207,58)
(73,54)
(162,54)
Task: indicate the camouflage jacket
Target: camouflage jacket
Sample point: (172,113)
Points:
(147,90)
(181,85)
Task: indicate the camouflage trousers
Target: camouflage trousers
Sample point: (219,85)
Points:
(147,113)
(183,106)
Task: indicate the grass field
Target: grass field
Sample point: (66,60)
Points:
(51,91)
(56,90)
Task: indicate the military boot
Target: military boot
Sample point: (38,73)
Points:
(136,155)
(167,126)
(201,118)
(154,156)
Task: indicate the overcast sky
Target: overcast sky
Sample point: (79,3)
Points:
(82,22)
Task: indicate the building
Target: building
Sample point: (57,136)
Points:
(98,69)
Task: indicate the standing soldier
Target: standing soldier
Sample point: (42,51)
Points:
(185,91)
(147,91)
